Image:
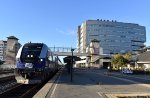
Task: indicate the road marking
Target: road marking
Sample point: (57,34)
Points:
(100,95)
(126,95)
(123,92)
(115,94)
(54,89)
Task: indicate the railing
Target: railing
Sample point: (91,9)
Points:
(61,49)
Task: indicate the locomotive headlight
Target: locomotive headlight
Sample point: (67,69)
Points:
(31,56)
(41,60)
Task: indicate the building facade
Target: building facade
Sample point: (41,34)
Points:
(9,49)
(114,37)
(3,45)
(12,48)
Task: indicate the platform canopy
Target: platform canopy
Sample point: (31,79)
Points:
(69,58)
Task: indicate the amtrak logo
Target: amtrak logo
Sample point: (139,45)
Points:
(29,65)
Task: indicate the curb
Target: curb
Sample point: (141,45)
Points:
(42,93)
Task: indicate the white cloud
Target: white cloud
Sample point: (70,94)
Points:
(66,32)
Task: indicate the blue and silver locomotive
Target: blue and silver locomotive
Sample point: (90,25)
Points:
(34,63)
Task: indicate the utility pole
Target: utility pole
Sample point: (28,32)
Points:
(71,69)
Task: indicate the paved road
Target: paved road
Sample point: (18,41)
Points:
(137,78)
(95,84)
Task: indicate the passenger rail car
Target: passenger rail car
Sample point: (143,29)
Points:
(34,63)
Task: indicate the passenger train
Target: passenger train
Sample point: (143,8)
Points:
(34,63)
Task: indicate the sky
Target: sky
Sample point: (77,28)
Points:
(55,22)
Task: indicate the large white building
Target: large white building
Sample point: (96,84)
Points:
(114,37)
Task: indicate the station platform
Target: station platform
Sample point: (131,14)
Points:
(62,87)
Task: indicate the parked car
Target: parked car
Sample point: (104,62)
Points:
(127,71)
(147,69)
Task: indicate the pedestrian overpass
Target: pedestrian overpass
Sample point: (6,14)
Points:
(88,59)
(66,51)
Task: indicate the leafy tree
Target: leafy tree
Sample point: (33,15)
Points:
(121,61)
(114,61)
(127,56)
(118,61)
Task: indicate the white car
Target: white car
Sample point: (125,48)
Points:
(127,71)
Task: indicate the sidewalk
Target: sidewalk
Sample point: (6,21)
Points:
(90,84)
(80,87)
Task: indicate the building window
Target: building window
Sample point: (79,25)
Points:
(123,36)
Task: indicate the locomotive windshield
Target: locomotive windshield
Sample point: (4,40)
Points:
(31,52)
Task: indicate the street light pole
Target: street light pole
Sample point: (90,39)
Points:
(71,65)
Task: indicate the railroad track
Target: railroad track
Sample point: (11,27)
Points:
(6,71)
(10,89)
(19,91)
(6,83)
(23,90)
(6,79)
